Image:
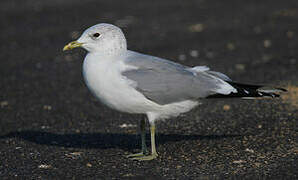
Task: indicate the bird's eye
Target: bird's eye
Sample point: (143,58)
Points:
(96,35)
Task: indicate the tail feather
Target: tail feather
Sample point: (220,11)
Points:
(250,91)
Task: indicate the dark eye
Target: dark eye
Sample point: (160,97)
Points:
(96,35)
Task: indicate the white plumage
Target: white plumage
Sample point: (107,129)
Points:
(103,77)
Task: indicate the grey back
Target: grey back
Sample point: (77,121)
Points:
(165,82)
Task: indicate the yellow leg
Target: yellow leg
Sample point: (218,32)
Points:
(153,154)
(153,147)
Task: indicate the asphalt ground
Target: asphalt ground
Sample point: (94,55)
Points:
(51,127)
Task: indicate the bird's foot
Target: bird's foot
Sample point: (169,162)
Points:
(145,157)
(136,155)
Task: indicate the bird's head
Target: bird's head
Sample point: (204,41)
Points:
(101,38)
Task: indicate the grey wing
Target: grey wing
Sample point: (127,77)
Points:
(198,69)
(165,82)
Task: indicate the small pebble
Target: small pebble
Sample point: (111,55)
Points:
(45,127)
(266,57)
(194,53)
(3,103)
(226,107)
(128,175)
(182,57)
(44,166)
(240,67)
(47,107)
(249,150)
(127,125)
(267,43)
(76,153)
(196,28)
(239,162)
(231,46)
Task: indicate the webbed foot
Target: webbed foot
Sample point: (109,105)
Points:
(136,155)
(145,157)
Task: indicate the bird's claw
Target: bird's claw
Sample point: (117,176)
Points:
(145,157)
(135,155)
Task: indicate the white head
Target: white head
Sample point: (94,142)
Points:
(101,38)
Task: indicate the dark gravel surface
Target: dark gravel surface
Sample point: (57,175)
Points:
(51,127)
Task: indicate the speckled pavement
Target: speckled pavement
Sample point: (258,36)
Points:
(51,127)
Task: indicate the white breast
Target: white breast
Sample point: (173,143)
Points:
(103,77)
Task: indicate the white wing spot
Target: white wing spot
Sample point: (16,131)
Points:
(260,94)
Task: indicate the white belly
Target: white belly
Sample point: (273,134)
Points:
(104,80)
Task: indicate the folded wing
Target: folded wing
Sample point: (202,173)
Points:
(166,82)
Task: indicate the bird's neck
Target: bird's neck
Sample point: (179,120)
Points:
(106,54)
(110,51)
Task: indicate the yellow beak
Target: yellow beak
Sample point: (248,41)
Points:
(71,45)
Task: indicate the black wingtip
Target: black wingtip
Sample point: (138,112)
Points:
(282,89)
(250,91)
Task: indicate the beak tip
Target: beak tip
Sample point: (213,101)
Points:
(65,48)
(72,45)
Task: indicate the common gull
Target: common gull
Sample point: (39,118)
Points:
(132,82)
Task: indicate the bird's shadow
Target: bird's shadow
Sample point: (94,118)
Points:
(101,140)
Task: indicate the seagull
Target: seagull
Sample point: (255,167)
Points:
(137,83)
